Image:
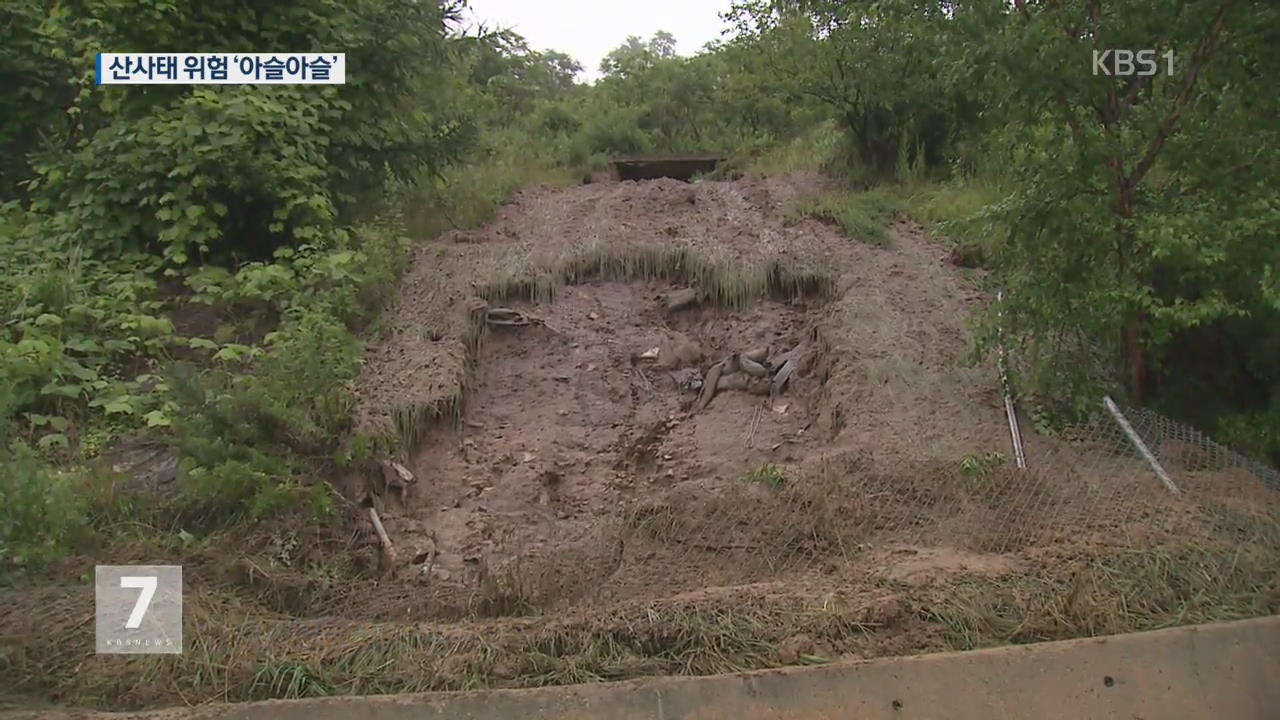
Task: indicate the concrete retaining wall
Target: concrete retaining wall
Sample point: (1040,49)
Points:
(1229,671)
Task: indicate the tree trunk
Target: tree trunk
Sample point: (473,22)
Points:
(1132,346)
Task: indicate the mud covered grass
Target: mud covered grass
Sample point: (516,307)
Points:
(820,580)
(236,652)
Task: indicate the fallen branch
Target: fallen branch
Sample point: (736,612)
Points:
(784,374)
(396,474)
(751,429)
(388,550)
(709,386)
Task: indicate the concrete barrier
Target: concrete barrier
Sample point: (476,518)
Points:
(1229,671)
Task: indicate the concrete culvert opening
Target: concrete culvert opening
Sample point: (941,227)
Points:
(679,167)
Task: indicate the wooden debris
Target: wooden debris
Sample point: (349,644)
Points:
(509,318)
(709,386)
(681,299)
(752,368)
(756,416)
(396,474)
(388,550)
(784,374)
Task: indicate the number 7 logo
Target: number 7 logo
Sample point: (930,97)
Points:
(145,583)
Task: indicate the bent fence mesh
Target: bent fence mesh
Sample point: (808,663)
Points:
(828,520)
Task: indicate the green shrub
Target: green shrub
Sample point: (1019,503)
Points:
(42,511)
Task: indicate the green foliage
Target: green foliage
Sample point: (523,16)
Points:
(980,467)
(769,475)
(42,512)
(245,437)
(223,172)
(882,68)
(863,216)
(1134,236)
(965,210)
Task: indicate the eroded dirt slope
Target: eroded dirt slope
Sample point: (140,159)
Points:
(567,427)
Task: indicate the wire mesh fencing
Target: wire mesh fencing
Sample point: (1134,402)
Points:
(828,520)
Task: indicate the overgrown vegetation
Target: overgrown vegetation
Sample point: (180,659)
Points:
(863,216)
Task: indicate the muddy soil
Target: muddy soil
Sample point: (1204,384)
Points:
(567,428)
(567,422)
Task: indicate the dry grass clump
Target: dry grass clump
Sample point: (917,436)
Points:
(238,651)
(1089,592)
(236,655)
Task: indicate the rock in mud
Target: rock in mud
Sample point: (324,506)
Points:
(682,299)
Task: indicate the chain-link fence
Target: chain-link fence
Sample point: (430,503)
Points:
(836,517)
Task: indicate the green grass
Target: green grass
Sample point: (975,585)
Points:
(813,151)
(861,215)
(769,475)
(470,195)
(957,209)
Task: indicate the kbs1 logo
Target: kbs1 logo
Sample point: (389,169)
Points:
(1123,63)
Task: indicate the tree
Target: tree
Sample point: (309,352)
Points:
(1131,219)
(883,67)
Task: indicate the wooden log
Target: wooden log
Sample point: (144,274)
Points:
(709,386)
(784,374)
(752,368)
(388,550)
(681,299)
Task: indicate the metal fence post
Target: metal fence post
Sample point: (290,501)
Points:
(1139,444)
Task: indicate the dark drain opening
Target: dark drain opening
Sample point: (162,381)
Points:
(680,167)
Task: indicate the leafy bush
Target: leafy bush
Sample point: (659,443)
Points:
(42,511)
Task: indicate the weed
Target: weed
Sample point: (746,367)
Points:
(961,210)
(288,680)
(980,467)
(769,475)
(863,216)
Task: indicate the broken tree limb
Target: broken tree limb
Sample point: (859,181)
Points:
(752,368)
(388,550)
(784,374)
(709,386)
(396,474)
(510,318)
(681,299)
